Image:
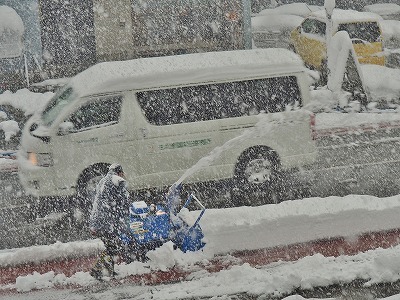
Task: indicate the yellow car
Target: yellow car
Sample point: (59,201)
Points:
(308,39)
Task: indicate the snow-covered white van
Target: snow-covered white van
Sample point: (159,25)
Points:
(159,116)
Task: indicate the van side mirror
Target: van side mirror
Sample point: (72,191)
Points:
(66,128)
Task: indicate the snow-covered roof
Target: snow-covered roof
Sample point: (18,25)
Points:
(275,22)
(146,73)
(297,9)
(347,16)
(11,33)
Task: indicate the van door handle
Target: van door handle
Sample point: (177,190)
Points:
(143,130)
(117,135)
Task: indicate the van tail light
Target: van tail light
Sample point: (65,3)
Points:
(312,126)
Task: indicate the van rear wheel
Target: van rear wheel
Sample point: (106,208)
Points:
(87,183)
(256,177)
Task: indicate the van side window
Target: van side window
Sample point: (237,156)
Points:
(219,100)
(103,111)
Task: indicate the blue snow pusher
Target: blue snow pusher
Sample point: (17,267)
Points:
(149,227)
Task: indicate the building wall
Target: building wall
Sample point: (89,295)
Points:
(113,29)
(67,34)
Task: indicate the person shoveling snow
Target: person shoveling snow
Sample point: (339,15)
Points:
(131,233)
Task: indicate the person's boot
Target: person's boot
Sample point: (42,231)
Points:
(96,273)
(109,265)
(97,270)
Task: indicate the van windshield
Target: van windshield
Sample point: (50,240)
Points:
(365,31)
(57,104)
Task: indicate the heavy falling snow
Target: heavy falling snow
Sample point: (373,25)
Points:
(309,246)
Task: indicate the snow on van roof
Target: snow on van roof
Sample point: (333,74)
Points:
(153,72)
(347,16)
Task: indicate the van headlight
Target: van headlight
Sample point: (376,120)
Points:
(40,159)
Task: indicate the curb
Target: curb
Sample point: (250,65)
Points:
(335,247)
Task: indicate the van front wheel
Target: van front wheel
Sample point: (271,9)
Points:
(87,185)
(256,177)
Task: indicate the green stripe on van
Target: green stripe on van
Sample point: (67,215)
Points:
(184,144)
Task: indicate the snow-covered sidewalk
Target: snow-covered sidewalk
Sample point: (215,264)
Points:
(245,228)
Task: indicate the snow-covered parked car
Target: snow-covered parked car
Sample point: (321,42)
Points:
(309,40)
(390,12)
(271,27)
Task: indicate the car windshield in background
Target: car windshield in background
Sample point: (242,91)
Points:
(364,31)
(314,26)
(56,105)
(219,100)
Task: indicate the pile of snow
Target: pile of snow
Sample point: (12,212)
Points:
(274,22)
(27,101)
(10,128)
(11,33)
(40,254)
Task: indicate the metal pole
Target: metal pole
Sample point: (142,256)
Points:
(247,35)
(26,70)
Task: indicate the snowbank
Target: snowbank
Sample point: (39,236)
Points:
(26,100)
(246,228)
(232,229)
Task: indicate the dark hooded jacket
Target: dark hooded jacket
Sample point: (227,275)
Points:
(110,206)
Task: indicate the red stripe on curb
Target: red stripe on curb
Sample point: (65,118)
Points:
(66,266)
(327,247)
